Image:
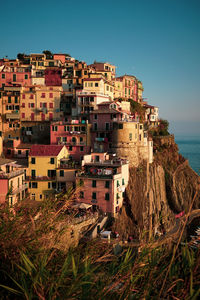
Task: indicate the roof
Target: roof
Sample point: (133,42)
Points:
(149,106)
(4,161)
(45,150)
(92,79)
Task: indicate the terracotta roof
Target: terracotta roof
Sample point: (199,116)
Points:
(45,150)
(92,79)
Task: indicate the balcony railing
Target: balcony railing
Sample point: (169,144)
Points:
(13,115)
(4,175)
(40,178)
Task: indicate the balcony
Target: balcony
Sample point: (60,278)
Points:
(11,174)
(40,178)
(13,116)
(89,175)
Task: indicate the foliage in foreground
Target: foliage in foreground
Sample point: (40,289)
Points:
(92,270)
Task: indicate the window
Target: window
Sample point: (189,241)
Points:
(33,173)
(61,173)
(34,185)
(94,196)
(23,104)
(141,126)
(95,116)
(16,99)
(70,148)
(19,152)
(31,96)
(81,148)
(118,197)
(23,115)
(9,99)
(26,76)
(123,182)
(120,126)
(52,160)
(10,125)
(107,88)
(33,160)
(81,194)
(118,184)
(40,197)
(3,76)
(95,126)
(23,96)
(130,136)
(43,95)
(50,105)
(94,183)
(96,84)
(107,126)
(54,128)
(107,184)
(51,95)
(14,77)
(107,196)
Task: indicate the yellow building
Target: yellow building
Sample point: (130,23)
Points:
(44,160)
(118,89)
(38,60)
(40,103)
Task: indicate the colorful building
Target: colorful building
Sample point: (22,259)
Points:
(74,134)
(40,103)
(47,169)
(15,75)
(102,120)
(12,182)
(151,115)
(87,101)
(131,89)
(10,112)
(102,182)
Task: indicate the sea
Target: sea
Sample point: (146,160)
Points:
(189,147)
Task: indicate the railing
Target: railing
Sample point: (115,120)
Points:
(69,166)
(40,178)
(89,175)
(11,174)
(12,115)
(108,162)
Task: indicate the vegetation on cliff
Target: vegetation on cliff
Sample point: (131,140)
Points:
(29,270)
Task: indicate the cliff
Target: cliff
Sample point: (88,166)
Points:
(158,191)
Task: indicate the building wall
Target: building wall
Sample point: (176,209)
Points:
(3,190)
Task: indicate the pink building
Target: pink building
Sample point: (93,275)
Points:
(102,182)
(12,185)
(102,121)
(15,75)
(130,86)
(75,135)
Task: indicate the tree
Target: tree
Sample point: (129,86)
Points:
(49,54)
(20,56)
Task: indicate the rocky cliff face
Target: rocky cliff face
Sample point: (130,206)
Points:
(157,192)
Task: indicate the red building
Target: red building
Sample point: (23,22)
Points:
(53,76)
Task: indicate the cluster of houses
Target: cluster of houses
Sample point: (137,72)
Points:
(65,124)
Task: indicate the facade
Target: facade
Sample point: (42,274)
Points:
(105,69)
(87,101)
(48,170)
(102,121)
(74,134)
(10,112)
(131,87)
(12,182)
(102,182)
(53,76)
(99,86)
(12,75)
(40,103)
(151,115)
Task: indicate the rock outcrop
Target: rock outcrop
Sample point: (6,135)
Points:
(157,192)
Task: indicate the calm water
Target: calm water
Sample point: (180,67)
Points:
(189,147)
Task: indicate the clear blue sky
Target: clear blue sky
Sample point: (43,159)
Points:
(156,40)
